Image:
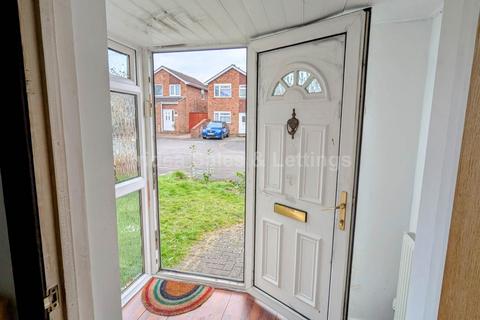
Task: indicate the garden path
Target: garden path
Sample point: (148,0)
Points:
(219,254)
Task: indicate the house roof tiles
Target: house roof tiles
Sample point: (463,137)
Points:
(188,80)
(232,66)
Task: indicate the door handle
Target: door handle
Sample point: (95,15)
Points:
(342,210)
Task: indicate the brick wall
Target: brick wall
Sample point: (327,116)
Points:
(166,79)
(196,102)
(234,104)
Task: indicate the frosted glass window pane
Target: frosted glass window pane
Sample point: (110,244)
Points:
(302,77)
(289,79)
(314,87)
(279,90)
(125,136)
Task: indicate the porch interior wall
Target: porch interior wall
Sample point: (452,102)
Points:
(399,79)
(90,51)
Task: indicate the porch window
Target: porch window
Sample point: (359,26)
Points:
(129,213)
(128,164)
(125,136)
(242,91)
(158,90)
(222,90)
(121,62)
(224,116)
(174,90)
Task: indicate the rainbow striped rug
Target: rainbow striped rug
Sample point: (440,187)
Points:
(169,298)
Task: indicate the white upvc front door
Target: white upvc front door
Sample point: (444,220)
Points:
(168,122)
(310,76)
(242,123)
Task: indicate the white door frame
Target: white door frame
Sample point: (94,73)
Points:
(353,25)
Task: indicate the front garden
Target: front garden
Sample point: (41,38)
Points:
(190,208)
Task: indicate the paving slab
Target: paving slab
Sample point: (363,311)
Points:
(219,253)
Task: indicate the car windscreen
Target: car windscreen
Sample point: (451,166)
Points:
(214,125)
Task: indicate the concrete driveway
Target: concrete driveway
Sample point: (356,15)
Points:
(223,158)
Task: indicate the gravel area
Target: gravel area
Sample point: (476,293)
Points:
(223,158)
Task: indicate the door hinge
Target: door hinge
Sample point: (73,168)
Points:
(148,108)
(52,299)
(154,174)
(156,240)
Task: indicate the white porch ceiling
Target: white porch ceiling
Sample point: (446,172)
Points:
(172,23)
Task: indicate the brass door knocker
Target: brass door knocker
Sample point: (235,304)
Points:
(292,124)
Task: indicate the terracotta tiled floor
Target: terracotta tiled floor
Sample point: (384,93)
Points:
(223,304)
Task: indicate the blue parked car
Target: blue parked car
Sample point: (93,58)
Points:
(215,129)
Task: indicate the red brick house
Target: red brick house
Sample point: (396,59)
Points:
(227,98)
(180,101)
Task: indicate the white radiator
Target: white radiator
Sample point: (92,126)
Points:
(400,301)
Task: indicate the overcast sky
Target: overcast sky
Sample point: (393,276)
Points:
(201,64)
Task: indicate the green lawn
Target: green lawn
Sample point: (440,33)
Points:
(189,209)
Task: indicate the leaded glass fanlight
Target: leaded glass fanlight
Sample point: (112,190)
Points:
(302,79)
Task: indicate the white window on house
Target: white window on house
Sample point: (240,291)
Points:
(222,90)
(242,91)
(174,90)
(158,90)
(224,116)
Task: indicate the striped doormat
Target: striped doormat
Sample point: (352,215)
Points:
(169,298)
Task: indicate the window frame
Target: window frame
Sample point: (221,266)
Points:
(244,87)
(175,85)
(215,118)
(137,135)
(219,86)
(140,182)
(132,62)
